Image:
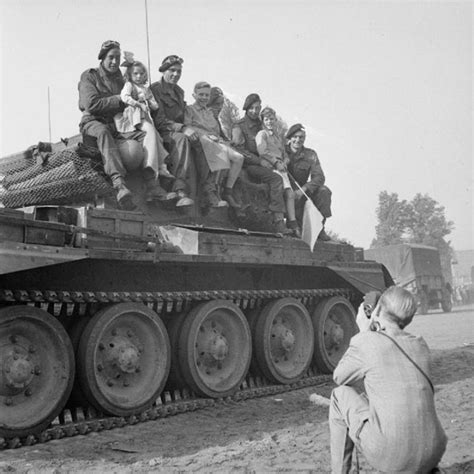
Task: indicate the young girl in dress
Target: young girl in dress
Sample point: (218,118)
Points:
(271,148)
(136,116)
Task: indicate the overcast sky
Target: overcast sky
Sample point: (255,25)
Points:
(384,88)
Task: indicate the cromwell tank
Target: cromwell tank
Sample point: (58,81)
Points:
(110,315)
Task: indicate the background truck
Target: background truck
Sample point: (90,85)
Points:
(418,269)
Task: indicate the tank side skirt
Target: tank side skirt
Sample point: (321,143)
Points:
(162,301)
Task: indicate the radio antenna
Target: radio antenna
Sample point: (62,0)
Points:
(147,41)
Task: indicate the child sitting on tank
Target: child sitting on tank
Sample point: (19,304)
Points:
(271,147)
(140,101)
(219,154)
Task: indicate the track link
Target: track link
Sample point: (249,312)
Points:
(83,420)
(68,425)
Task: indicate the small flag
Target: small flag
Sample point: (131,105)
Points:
(312,224)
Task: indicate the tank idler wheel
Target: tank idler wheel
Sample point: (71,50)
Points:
(123,359)
(283,340)
(215,348)
(334,325)
(36,370)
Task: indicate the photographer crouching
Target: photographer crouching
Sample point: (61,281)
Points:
(393,422)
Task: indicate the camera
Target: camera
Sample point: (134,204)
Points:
(370,302)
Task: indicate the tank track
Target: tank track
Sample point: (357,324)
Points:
(83,420)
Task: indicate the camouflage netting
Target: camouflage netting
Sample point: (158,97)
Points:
(68,176)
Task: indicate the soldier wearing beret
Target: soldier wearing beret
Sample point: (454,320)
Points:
(99,101)
(305,168)
(188,162)
(243,137)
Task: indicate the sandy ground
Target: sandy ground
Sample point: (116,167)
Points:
(275,434)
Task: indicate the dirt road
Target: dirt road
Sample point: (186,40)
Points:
(284,434)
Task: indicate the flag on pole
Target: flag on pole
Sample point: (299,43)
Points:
(312,224)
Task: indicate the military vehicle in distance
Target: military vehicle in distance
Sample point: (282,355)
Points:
(418,269)
(107,316)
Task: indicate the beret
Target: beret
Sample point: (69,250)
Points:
(170,61)
(251,99)
(106,47)
(297,127)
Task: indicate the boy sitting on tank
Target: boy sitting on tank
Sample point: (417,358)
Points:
(271,148)
(219,154)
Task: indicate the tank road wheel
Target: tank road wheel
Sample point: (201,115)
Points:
(36,370)
(123,359)
(283,340)
(215,348)
(334,324)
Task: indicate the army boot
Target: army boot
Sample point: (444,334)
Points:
(124,195)
(294,228)
(228,196)
(154,192)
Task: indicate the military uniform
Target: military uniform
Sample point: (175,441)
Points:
(303,166)
(99,101)
(169,121)
(243,135)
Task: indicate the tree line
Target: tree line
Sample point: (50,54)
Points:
(419,221)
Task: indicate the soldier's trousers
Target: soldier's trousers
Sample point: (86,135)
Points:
(321,199)
(275,183)
(106,136)
(187,162)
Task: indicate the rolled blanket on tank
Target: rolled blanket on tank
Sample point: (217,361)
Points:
(47,163)
(68,178)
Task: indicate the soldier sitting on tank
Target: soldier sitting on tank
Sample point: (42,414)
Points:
(305,169)
(100,101)
(188,162)
(258,169)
